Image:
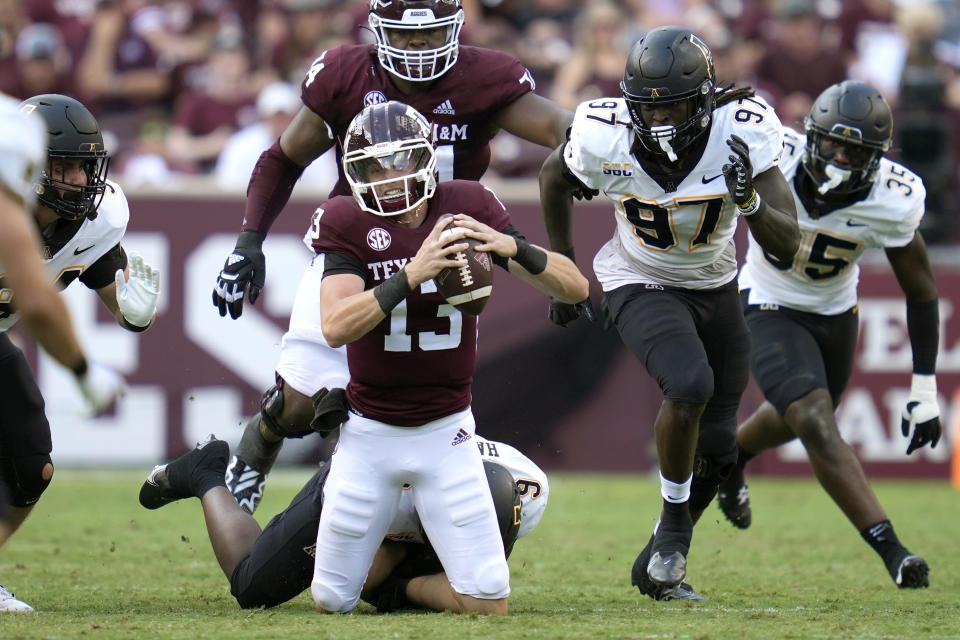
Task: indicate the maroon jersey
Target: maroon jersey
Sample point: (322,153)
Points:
(417,365)
(460,104)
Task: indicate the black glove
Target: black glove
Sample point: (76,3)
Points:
(244,272)
(739,173)
(562,313)
(585,193)
(329,410)
(922,413)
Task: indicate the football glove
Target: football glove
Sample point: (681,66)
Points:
(738,174)
(100,387)
(562,313)
(137,297)
(922,413)
(244,272)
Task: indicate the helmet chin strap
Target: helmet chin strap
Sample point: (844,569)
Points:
(663,134)
(835,177)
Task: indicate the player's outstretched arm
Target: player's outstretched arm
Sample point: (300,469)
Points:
(534,118)
(271,183)
(348,312)
(765,201)
(556,203)
(911,265)
(553,273)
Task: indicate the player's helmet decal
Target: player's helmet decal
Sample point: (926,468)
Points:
(73,133)
(849,118)
(394,17)
(670,65)
(389,136)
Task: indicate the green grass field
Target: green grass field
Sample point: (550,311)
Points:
(96,565)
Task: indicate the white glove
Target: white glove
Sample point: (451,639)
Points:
(100,386)
(137,297)
(922,413)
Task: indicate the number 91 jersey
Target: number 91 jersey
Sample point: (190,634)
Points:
(679,234)
(823,275)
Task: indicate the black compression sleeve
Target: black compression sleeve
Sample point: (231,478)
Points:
(530,257)
(103,271)
(392,291)
(923,324)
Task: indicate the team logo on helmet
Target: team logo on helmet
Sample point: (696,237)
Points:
(374,97)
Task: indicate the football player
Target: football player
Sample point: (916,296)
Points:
(411,358)
(468,94)
(270,567)
(682,161)
(81,217)
(802,312)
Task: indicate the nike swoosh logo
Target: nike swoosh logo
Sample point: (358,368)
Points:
(851,223)
(706,180)
(78,250)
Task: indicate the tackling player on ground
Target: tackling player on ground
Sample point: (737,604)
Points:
(802,312)
(270,567)
(468,94)
(682,161)
(81,217)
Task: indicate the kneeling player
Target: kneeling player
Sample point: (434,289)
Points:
(270,567)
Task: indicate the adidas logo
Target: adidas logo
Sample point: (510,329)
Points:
(445,108)
(234,259)
(461,437)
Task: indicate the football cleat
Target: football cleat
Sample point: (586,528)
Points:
(671,543)
(246,483)
(734,500)
(9,603)
(174,481)
(667,569)
(911,572)
(660,593)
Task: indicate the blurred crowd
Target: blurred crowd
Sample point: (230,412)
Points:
(203,86)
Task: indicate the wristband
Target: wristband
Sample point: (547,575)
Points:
(751,206)
(923,386)
(129,326)
(530,257)
(81,368)
(392,291)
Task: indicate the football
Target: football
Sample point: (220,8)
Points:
(468,288)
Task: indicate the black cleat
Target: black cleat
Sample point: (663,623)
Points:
(910,571)
(734,499)
(175,480)
(667,569)
(668,549)
(246,483)
(660,593)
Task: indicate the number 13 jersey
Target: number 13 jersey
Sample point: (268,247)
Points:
(676,234)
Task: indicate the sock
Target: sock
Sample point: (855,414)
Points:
(884,541)
(674,491)
(189,478)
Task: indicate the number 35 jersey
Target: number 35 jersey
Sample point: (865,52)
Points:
(681,235)
(67,258)
(823,276)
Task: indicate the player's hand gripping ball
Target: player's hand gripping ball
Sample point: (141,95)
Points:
(469,287)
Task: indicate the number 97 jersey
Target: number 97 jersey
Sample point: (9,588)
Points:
(822,277)
(677,231)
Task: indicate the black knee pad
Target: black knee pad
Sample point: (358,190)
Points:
(24,478)
(284,424)
(708,473)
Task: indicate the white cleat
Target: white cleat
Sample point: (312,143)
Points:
(9,604)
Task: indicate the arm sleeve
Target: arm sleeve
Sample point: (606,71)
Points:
(102,272)
(342,263)
(271,184)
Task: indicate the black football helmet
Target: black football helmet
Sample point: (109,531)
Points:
(669,65)
(424,64)
(506,502)
(73,133)
(853,118)
(389,135)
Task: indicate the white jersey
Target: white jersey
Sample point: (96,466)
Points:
(681,236)
(92,240)
(530,478)
(23,150)
(824,273)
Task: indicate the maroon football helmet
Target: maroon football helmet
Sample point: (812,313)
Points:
(417,65)
(389,136)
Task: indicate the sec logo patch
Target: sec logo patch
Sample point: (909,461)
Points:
(378,238)
(374,97)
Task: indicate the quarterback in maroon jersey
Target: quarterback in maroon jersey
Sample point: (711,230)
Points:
(466,93)
(411,357)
